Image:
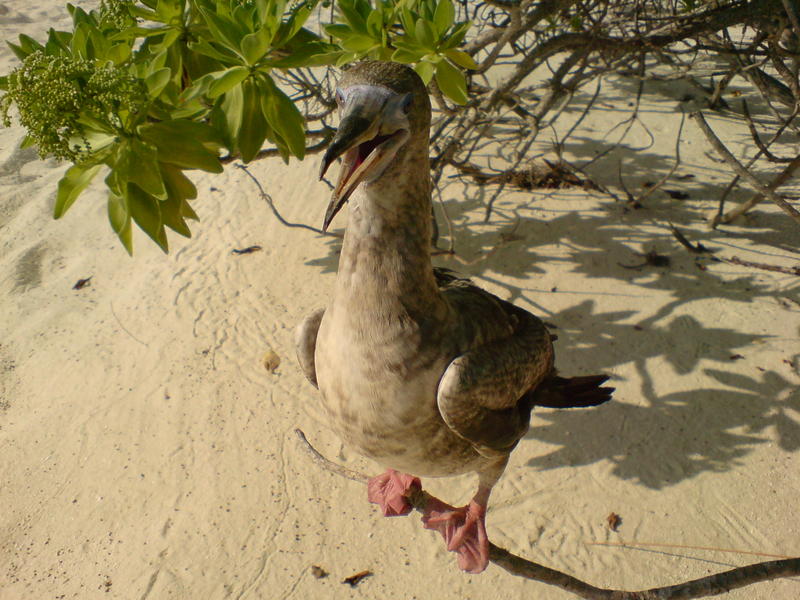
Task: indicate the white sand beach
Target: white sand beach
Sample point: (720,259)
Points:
(147,453)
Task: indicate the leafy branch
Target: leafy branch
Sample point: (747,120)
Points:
(147,90)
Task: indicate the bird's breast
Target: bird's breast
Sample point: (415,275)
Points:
(378,378)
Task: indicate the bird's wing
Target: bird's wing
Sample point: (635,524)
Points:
(305,342)
(503,353)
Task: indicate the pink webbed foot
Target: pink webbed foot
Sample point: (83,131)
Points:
(463,530)
(390,490)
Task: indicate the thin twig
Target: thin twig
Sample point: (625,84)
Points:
(741,170)
(275,212)
(735,260)
(675,165)
(683,547)
(516,565)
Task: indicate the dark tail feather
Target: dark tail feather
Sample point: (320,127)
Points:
(572,392)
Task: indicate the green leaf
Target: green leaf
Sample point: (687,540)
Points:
(138,163)
(224,31)
(173,218)
(284,117)
(168,10)
(28,44)
(352,17)
(255,46)
(425,70)
(157,81)
(57,42)
(307,55)
(132,33)
(143,13)
(375,23)
(358,43)
(226,80)
(178,185)
(71,185)
(207,49)
(407,20)
(231,108)
(100,44)
(253,131)
(17,50)
(167,40)
(344,58)
(146,213)
(179,189)
(425,34)
(405,42)
(338,30)
(457,36)
(80,41)
(444,15)
(319,60)
(461,58)
(294,23)
(244,16)
(188,212)
(119,54)
(120,219)
(186,144)
(405,56)
(261,11)
(452,82)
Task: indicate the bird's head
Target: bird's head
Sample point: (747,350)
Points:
(384,107)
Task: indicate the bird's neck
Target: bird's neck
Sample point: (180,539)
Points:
(385,262)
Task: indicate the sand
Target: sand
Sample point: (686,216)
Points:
(147,453)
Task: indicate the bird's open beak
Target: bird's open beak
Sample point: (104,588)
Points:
(360,144)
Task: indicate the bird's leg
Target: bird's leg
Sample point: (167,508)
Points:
(464,528)
(391,490)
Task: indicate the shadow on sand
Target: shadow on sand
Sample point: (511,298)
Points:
(655,440)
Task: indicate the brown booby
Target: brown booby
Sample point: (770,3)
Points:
(419,370)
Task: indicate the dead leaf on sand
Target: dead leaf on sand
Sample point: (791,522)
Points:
(354,580)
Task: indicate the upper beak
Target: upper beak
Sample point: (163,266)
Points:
(351,130)
(360,123)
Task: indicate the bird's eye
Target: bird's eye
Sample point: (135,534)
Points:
(339,97)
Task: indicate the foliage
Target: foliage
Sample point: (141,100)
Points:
(429,38)
(150,89)
(146,90)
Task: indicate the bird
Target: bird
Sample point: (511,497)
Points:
(419,369)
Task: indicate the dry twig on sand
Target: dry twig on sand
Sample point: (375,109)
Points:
(516,565)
